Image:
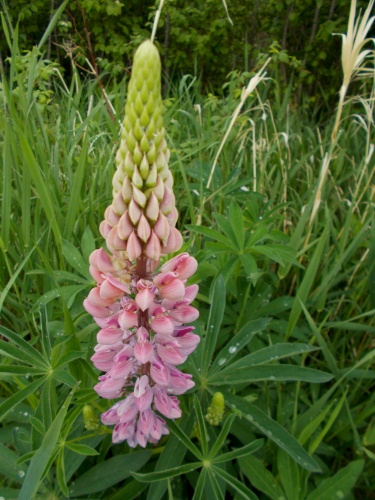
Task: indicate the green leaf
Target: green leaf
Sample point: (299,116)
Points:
(261,477)
(218,491)
(44,336)
(222,436)
(52,24)
(201,427)
(235,484)
(178,432)
(76,187)
(166,474)
(274,431)
(215,235)
(307,282)
(339,485)
(311,427)
(278,253)
(315,443)
(234,346)
(14,276)
(199,489)
(131,490)
(287,373)
(60,472)
(272,353)
(82,449)
(289,475)
(26,349)
(87,244)
(225,226)
(239,452)
(236,221)
(41,187)
(172,455)
(75,259)
(19,396)
(21,370)
(108,473)
(214,322)
(41,458)
(9,467)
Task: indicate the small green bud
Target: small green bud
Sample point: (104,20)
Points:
(136,178)
(90,418)
(144,168)
(215,411)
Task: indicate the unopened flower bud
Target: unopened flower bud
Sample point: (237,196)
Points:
(215,411)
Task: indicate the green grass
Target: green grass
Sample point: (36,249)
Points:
(288,338)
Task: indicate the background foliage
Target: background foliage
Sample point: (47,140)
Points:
(197,38)
(286,272)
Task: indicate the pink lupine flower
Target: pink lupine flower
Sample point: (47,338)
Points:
(140,305)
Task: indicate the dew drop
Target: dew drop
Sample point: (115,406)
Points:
(221,361)
(340,494)
(21,474)
(232,349)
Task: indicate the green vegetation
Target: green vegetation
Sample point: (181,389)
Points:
(276,206)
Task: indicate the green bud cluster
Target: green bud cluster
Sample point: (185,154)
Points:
(215,411)
(143,153)
(142,217)
(90,418)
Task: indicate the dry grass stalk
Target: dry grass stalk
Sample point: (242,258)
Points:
(246,91)
(352,55)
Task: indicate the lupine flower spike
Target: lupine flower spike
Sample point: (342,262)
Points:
(139,306)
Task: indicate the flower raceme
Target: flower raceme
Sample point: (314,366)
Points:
(140,307)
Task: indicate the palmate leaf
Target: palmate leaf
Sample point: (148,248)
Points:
(278,253)
(75,259)
(239,487)
(226,228)
(215,235)
(26,352)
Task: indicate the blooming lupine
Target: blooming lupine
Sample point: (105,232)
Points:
(140,306)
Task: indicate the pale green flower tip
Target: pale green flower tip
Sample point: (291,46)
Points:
(146,53)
